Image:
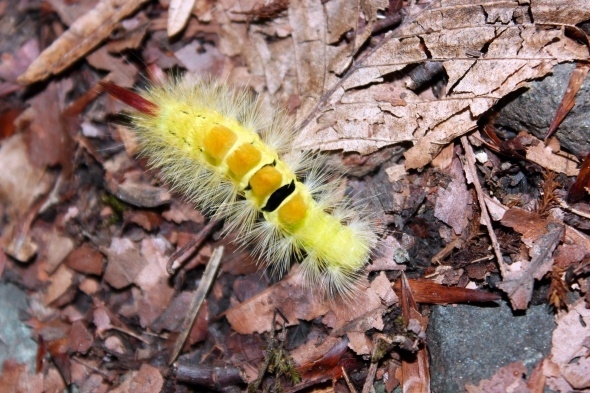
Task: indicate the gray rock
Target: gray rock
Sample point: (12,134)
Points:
(469,343)
(15,336)
(533,111)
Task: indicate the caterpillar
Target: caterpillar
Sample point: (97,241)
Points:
(233,158)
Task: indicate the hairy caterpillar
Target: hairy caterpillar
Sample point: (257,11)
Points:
(233,159)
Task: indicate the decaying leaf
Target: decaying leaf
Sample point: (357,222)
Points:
(568,100)
(147,379)
(453,205)
(568,367)
(179,12)
(509,378)
(83,36)
(581,188)
(510,50)
(429,292)
(415,373)
(361,313)
(520,276)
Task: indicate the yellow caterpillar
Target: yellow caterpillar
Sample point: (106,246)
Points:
(221,149)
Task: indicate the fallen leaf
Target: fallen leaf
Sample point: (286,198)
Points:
(139,194)
(60,281)
(147,379)
(179,13)
(453,205)
(544,156)
(429,292)
(115,345)
(48,132)
(156,291)
(58,349)
(11,66)
(55,248)
(321,361)
(530,225)
(581,188)
(85,259)
(415,372)
(518,283)
(568,366)
(509,378)
(568,100)
(296,303)
(447,34)
(16,378)
(21,182)
(83,35)
(79,339)
(125,262)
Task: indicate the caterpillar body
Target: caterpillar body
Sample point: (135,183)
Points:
(233,159)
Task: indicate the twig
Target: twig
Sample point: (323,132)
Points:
(368,386)
(348,383)
(129,333)
(90,366)
(485,217)
(572,210)
(195,242)
(203,288)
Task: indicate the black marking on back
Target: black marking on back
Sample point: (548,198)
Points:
(279,196)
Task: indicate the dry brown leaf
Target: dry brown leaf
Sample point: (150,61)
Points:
(569,97)
(364,311)
(80,339)
(415,373)
(200,58)
(581,188)
(115,345)
(11,66)
(530,225)
(83,35)
(391,254)
(156,291)
(94,382)
(179,12)
(312,356)
(138,193)
(15,377)
(125,262)
(256,314)
(61,281)
(520,276)
(146,380)
(453,205)
(68,11)
(55,248)
(430,292)
(46,129)
(510,50)
(21,184)
(124,74)
(509,378)
(181,212)
(543,155)
(85,259)
(298,303)
(536,381)
(568,367)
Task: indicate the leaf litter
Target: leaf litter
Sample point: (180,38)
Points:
(90,230)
